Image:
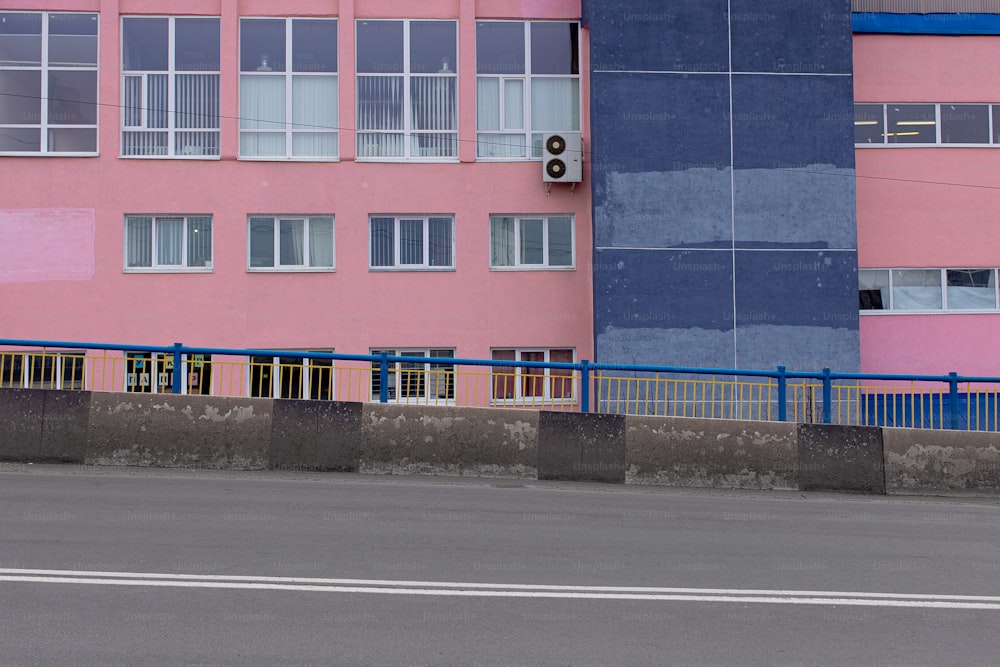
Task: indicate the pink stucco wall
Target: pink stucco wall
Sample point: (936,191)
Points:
(352,309)
(928,207)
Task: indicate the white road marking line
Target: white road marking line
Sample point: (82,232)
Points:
(430,588)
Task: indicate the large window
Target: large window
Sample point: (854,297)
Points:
(407,89)
(412,243)
(291,377)
(42,370)
(927,124)
(528,83)
(170,86)
(414,381)
(288,88)
(153,373)
(529,385)
(928,289)
(48,83)
(291,243)
(531,242)
(168,243)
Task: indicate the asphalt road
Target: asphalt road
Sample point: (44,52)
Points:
(152,567)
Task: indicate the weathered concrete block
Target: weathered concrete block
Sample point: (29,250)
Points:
(21,413)
(315,435)
(928,460)
(64,433)
(674,451)
(179,431)
(840,458)
(407,439)
(581,447)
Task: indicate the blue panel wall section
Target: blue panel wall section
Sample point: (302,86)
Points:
(927,24)
(698,263)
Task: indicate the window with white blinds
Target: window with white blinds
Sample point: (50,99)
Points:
(168,243)
(412,242)
(407,88)
(291,243)
(170,87)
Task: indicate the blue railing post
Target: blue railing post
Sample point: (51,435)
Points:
(827,391)
(383,378)
(782,395)
(953,399)
(585,386)
(177,368)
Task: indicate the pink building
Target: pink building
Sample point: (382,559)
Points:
(313,175)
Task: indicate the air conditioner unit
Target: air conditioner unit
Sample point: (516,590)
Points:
(562,157)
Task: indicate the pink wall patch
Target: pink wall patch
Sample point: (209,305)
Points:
(46,244)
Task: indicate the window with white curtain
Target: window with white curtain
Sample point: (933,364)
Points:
(48,83)
(407,89)
(170,86)
(527,385)
(527,83)
(531,242)
(288,89)
(415,381)
(168,243)
(406,242)
(291,243)
(957,289)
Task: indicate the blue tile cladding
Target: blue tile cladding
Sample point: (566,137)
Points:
(679,233)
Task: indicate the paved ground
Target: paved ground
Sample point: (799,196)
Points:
(341,569)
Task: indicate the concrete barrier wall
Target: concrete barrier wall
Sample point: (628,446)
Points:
(242,433)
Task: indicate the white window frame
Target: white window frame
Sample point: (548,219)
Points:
(397,241)
(157,378)
(891,309)
(305,364)
(992,108)
(290,129)
(155,267)
(26,381)
(43,125)
(431,376)
(192,152)
(518,264)
(408,132)
(532,138)
(519,378)
(276,266)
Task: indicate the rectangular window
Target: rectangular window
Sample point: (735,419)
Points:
(971,289)
(292,377)
(869,123)
(43,370)
(531,242)
(170,86)
(873,289)
(527,83)
(291,243)
(965,124)
(412,242)
(153,373)
(288,89)
(414,381)
(926,124)
(531,385)
(407,88)
(168,243)
(48,77)
(961,289)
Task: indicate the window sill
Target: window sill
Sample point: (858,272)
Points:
(939,311)
(527,402)
(199,269)
(408,160)
(49,154)
(284,269)
(927,145)
(521,269)
(417,401)
(296,158)
(171,157)
(410,269)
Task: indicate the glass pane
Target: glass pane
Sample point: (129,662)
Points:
(11,369)
(513,104)
(20,39)
(411,242)
(561,380)
(315,144)
(262,45)
(75,140)
(139,242)
(199,242)
(72,40)
(42,371)
(22,99)
(73,365)
(321,242)
(314,102)
(869,124)
(488,103)
(433,103)
(261,381)
(383,242)
(504,377)
(73,98)
(439,250)
(873,289)
(13,139)
(196,47)
(531,241)
(144,44)
(380,103)
(380,46)
(532,379)
(291,239)
(916,289)
(262,102)
(261,242)
(965,124)
(442,376)
(314,45)
(501,242)
(911,124)
(555,104)
(560,241)
(555,48)
(499,48)
(139,372)
(290,373)
(970,289)
(433,46)
(169,241)
(411,375)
